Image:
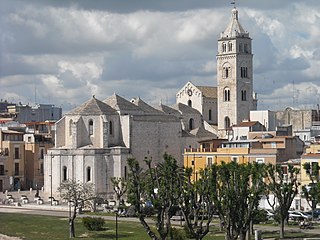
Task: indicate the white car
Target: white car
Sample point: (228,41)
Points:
(296,215)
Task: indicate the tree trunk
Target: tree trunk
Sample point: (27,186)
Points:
(147,228)
(71,228)
(282,228)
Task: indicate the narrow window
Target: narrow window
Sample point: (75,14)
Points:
(125,172)
(226,122)
(244,95)
(64,173)
(230,46)
(88,174)
(110,128)
(1,169)
(90,127)
(191,124)
(16,153)
(16,169)
(224,47)
(189,103)
(246,48)
(210,115)
(41,168)
(240,47)
(226,95)
(41,153)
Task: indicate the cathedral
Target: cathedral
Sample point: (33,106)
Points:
(94,140)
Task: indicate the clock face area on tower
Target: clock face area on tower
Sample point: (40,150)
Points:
(189,92)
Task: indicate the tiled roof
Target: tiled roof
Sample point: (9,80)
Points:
(234,28)
(92,107)
(202,133)
(167,109)
(120,104)
(209,92)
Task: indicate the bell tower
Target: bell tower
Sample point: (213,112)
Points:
(234,76)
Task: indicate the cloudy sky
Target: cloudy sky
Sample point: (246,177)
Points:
(63,52)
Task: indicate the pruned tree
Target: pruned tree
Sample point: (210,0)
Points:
(76,194)
(158,185)
(119,186)
(312,191)
(237,189)
(196,202)
(284,186)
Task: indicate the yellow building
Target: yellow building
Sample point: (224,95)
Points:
(272,150)
(311,156)
(12,160)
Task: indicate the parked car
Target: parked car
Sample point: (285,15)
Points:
(296,215)
(316,213)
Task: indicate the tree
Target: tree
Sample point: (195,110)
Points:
(77,194)
(196,202)
(284,186)
(237,189)
(312,191)
(158,185)
(119,188)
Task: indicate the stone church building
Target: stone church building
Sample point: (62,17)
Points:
(94,140)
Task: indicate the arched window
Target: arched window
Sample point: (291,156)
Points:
(110,128)
(70,127)
(90,127)
(189,103)
(42,153)
(230,46)
(224,47)
(244,95)
(226,95)
(244,72)
(226,72)
(226,122)
(191,124)
(88,174)
(210,115)
(64,173)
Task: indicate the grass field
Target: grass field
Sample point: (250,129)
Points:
(33,227)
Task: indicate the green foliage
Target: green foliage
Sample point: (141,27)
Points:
(178,234)
(260,216)
(93,223)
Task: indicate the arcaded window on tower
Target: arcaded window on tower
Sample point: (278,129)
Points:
(224,47)
(189,103)
(226,122)
(90,127)
(226,95)
(244,95)
(191,124)
(226,72)
(210,115)
(230,46)
(244,72)
(246,49)
(240,47)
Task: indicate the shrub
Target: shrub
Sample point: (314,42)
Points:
(178,234)
(93,223)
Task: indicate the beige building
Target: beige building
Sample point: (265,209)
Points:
(12,160)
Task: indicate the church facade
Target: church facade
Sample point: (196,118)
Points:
(94,141)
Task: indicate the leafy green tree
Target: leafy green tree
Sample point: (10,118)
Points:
(284,186)
(77,194)
(237,189)
(158,185)
(312,191)
(196,202)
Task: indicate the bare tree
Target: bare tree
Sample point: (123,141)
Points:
(284,186)
(119,188)
(76,194)
(312,191)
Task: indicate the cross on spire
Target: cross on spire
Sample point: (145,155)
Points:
(234,3)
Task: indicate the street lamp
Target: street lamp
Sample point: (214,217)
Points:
(51,178)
